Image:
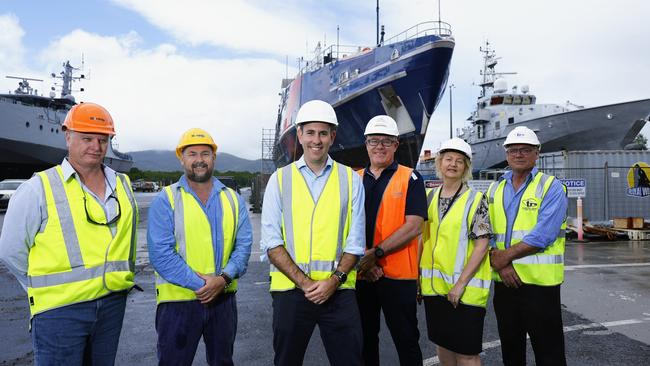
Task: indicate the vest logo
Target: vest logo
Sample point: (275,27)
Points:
(530,204)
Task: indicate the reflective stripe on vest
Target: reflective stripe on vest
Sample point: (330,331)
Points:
(447,248)
(309,225)
(391,215)
(545,268)
(194,244)
(57,274)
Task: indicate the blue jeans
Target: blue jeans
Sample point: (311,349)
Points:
(180,326)
(86,333)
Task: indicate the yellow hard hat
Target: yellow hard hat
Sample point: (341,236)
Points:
(195,136)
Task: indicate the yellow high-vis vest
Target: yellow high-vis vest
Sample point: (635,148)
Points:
(314,232)
(74,260)
(194,239)
(447,248)
(546,268)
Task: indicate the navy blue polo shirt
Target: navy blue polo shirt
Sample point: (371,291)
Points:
(416,198)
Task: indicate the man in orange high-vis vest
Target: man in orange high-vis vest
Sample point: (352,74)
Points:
(395,210)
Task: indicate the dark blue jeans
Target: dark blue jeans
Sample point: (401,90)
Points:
(86,333)
(180,326)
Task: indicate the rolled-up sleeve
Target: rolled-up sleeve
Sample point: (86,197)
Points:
(238,262)
(161,244)
(356,240)
(552,214)
(271,230)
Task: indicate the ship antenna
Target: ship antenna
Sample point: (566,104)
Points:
(377,22)
(337,42)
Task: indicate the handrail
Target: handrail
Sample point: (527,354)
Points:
(337,52)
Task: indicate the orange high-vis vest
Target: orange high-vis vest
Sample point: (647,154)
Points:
(401,264)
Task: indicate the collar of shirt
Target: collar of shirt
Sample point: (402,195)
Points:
(217,186)
(110,174)
(508,177)
(391,168)
(301,164)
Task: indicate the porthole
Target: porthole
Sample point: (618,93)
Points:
(27,124)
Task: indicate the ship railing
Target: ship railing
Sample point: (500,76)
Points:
(339,52)
(430,28)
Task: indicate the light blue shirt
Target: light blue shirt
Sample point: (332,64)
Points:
(551,214)
(27,216)
(271,235)
(161,240)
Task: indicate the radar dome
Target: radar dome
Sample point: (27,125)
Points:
(500,85)
(52,94)
(525,88)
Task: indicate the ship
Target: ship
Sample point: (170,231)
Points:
(403,77)
(31,138)
(568,127)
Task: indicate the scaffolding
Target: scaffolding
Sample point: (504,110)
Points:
(267,167)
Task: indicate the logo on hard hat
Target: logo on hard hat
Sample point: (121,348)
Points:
(97,119)
(198,135)
(530,204)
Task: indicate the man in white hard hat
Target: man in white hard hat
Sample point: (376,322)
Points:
(528,215)
(395,210)
(313,233)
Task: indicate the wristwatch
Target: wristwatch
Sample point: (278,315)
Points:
(226,278)
(379,253)
(340,276)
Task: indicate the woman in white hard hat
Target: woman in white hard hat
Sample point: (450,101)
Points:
(455,274)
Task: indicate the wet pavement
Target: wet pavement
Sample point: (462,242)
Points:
(605,298)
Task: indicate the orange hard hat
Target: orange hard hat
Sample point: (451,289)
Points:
(195,136)
(89,118)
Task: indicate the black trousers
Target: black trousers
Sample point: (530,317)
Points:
(397,299)
(532,310)
(294,319)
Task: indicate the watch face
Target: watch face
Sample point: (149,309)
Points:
(379,252)
(343,277)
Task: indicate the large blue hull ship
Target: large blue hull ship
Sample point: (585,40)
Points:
(403,77)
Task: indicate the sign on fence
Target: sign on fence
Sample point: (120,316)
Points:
(575,187)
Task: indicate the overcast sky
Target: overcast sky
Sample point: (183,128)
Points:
(163,66)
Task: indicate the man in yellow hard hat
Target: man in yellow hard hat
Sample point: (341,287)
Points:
(69,238)
(199,238)
(313,233)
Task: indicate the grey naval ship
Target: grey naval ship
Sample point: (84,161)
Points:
(559,127)
(31,138)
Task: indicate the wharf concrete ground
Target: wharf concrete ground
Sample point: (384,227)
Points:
(605,300)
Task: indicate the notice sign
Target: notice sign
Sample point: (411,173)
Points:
(575,187)
(480,185)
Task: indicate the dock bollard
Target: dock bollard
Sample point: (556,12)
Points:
(579,218)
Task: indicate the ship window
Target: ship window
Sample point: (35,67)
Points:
(27,124)
(496,100)
(481,131)
(507,99)
(511,120)
(40,127)
(57,130)
(525,99)
(497,125)
(516,99)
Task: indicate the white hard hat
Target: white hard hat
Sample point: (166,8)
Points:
(457,144)
(381,125)
(316,111)
(522,135)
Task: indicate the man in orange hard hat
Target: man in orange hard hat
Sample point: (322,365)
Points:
(69,238)
(199,239)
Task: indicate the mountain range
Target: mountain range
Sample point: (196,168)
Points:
(166,161)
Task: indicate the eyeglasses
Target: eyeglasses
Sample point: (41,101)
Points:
(384,142)
(91,220)
(522,150)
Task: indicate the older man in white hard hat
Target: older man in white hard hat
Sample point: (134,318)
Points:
(528,215)
(395,210)
(313,233)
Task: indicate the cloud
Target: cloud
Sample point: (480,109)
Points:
(11,48)
(156,94)
(242,26)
